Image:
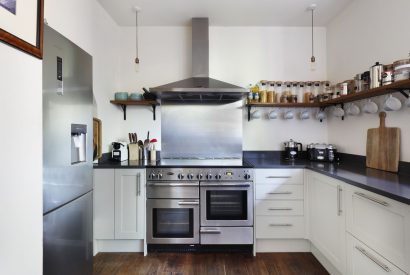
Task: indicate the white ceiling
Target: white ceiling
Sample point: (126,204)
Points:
(223,12)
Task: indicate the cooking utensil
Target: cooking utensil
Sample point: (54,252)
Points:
(140,143)
(383,147)
(130,137)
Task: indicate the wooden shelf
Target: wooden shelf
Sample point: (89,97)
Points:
(124,103)
(399,86)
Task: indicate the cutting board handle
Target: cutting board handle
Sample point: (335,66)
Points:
(382,116)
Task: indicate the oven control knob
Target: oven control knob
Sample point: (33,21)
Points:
(152,176)
(181,176)
(200,176)
(218,177)
(159,176)
(247,176)
(190,176)
(209,176)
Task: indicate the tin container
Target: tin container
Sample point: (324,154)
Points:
(376,72)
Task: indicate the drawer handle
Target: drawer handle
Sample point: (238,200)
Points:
(210,231)
(278,177)
(372,258)
(372,199)
(280,193)
(280,224)
(280,208)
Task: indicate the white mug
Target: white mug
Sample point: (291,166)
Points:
(392,104)
(273,114)
(353,110)
(304,115)
(338,112)
(256,114)
(289,115)
(370,107)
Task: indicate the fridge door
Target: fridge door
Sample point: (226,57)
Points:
(68,242)
(67,121)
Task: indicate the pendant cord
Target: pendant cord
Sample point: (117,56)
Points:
(136,32)
(312,34)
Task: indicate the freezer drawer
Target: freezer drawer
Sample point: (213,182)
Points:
(68,238)
(226,235)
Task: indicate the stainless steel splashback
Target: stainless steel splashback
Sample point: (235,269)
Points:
(201,131)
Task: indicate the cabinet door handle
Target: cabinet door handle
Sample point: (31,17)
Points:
(373,258)
(280,224)
(372,199)
(280,193)
(138,184)
(280,208)
(278,177)
(339,200)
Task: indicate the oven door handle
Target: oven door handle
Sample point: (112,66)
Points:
(154,184)
(188,202)
(225,184)
(210,231)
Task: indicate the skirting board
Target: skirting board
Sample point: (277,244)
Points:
(118,246)
(324,261)
(290,245)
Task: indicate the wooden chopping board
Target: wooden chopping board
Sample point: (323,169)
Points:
(97,144)
(383,147)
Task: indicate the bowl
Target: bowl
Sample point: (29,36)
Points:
(121,96)
(135,96)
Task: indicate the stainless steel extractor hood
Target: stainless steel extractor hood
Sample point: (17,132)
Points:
(200,88)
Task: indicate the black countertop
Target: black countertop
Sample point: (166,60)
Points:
(351,169)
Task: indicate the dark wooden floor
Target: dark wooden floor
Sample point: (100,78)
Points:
(203,264)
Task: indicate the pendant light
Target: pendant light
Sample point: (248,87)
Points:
(312,8)
(137,60)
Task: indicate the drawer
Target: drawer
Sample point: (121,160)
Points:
(363,260)
(279,192)
(268,227)
(279,208)
(226,235)
(279,176)
(380,223)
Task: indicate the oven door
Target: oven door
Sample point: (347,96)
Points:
(226,204)
(173,221)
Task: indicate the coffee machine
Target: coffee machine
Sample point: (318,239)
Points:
(293,149)
(119,151)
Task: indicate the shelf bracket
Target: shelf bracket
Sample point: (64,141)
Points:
(249,112)
(154,108)
(406,95)
(124,110)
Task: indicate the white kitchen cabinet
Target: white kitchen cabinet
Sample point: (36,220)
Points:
(381,223)
(327,225)
(279,176)
(129,203)
(276,227)
(103,203)
(362,260)
(279,191)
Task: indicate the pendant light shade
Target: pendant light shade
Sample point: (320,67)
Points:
(137,60)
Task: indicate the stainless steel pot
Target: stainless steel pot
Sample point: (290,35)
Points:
(376,72)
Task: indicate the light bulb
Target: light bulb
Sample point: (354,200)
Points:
(313,63)
(137,64)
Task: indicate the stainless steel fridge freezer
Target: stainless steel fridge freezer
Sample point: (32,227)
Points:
(67,156)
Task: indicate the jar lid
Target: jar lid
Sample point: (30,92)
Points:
(278,83)
(271,83)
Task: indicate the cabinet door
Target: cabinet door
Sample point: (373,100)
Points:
(363,260)
(326,218)
(129,203)
(103,204)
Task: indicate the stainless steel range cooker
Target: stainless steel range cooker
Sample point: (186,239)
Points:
(200,206)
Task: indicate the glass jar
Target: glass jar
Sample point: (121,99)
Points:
(288,92)
(271,92)
(263,85)
(301,92)
(316,88)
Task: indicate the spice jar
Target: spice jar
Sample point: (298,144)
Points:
(271,92)
(301,92)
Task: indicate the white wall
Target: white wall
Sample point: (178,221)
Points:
(240,55)
(88,25)
(365,32)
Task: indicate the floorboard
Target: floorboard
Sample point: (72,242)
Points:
(207,264)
